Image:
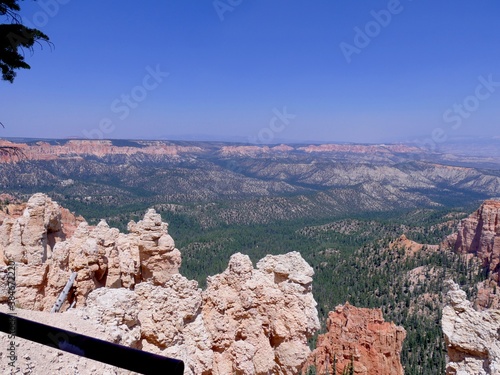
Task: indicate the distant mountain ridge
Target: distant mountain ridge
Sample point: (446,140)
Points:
(465,150)
(39,149)
(212,182)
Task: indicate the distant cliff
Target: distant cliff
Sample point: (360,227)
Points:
(479,236)
(51,150)
(77,148)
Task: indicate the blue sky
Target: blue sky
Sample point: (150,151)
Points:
(260,70)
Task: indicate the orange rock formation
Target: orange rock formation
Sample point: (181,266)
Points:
(362,336)
(479,235)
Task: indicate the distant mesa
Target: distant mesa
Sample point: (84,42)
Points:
(52,149)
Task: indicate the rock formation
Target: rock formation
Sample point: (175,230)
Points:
(10,207)
(29,239)
(248,320)
(471,336)
(260,319)
(410,247)
(49,248)
(479,235)
(359,336)
(159,259)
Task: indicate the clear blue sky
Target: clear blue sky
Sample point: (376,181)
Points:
(231,70)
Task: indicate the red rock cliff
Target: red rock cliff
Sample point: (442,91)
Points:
(362,335)
(479,235)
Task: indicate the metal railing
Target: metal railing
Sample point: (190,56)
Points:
(91,348)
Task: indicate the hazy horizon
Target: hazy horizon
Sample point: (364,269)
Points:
(259,72)
(240,140)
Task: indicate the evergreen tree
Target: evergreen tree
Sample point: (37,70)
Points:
(14,37)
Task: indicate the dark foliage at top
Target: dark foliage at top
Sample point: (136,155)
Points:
(14,38)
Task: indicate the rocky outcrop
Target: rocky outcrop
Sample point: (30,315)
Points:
(159,258)
(248,321)
(479,236)
(471,336)
(359,337)
(102,256)
(29,239)
(172,323)
(410,247)
(260,319)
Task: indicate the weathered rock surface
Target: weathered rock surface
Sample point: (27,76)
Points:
(479,235)
(260,319)
(159,258)
(172,323)
(248,321)
(117,310)
(362,336)
(49,243)
(29,239)
(471,336)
